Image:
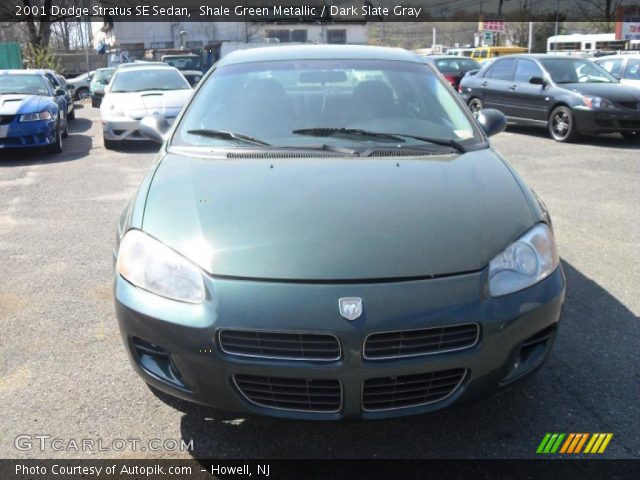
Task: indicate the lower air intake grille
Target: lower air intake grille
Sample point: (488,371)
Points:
(411,343)
(389,393)
(300,394)
(284,345)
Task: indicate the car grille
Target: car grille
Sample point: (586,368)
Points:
(299,394)
(631,105)
(411,343)
(282,345)
(5,119)
(389,393)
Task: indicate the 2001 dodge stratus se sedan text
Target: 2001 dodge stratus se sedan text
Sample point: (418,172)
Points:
(327,233)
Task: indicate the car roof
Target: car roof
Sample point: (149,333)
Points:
(318,52)
(145,65)
(448,57)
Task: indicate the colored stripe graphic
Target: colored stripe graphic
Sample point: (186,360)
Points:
(556,443)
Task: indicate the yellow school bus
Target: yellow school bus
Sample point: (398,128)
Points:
(484,53)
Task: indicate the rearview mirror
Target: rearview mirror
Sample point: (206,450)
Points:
(154,127)
(323,76)
(536,81)
(492,121)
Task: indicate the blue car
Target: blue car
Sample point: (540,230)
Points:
(32,111)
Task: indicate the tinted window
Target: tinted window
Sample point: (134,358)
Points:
(574,70)
(633,69)
(503,69)
(269,100)
(525,70)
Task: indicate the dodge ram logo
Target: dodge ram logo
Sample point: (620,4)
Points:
(350,307)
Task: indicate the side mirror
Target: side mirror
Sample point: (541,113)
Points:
(69,87)
(59,92)
(492,121)
(154,127)
(536,81)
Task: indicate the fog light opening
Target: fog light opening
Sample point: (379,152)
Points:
(158,362)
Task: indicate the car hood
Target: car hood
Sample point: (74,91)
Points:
(149,102)
(337,219)
(15,104)
(611,91)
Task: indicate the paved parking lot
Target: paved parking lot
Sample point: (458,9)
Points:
(64,372)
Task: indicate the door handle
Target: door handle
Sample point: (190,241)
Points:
(513,87)
(483,84)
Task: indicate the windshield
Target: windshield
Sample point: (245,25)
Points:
(275,102)
(103,75)
(23,84)
(575,70)
(184,63)
(139,80)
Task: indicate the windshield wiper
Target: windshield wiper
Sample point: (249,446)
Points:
(398,137)
(228,136)
(445,142)
(328,131)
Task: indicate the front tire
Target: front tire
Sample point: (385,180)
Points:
(57,146)
(82,93)
(109,144)
(72,115)
(562,125)
(475,105)
(65,132)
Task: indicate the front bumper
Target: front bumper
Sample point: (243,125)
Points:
(121,129)
(189,333)
(27,134)
(593,121)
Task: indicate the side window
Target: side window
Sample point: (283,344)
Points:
(612,66)
(525,70)
(503,69)
(632,72)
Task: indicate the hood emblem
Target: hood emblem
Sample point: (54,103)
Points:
(350,307)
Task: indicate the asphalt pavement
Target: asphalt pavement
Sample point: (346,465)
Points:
(64,372)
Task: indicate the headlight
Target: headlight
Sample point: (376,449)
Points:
(152,266)
(32,117)
(526,261)
(597,103)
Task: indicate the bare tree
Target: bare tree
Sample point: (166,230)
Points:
(601,13)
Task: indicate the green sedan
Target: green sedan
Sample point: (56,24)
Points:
(326,233)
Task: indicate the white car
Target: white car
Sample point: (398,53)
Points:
(625,67)
(137,90)
(80,85)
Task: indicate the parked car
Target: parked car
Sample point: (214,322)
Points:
(59,82)
(100,80)
(137,90)
(81,85)
(31,111)
(324,226)
(567,95)
(624,67)
(453,68)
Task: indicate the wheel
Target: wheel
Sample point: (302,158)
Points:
(65,132)
(72,115)
(475,105)
(56,147)
(82,93)
(631,135)
(562,126)
(109,144)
